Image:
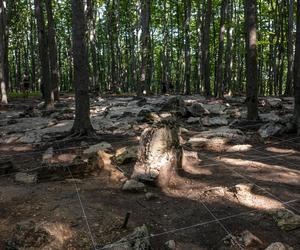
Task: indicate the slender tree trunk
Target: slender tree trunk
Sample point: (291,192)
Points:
(52,50)
(44,55)
(144,84)
(228,58)
(205,49)
(82,124)
(297,70)
(251,59)
(187,49)
(3,84)
(290,54)
(219,80)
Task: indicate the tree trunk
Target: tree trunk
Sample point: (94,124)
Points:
(144,84)
(219,80)
(46,85)
(3,84)
(205,49)
(187,49)
(159,154)
(82,124)
(52,50)
(290,54)
(297,71)
(251,60)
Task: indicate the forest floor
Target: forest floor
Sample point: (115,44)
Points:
(233,191)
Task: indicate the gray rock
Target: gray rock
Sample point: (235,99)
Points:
(286,219)
(278,246)
(215,108)
(126,155)
(138,240)
(269,117)
(214,121)
(147,115)
(193,120)
(133,186)
(248,239)
(150,196)
(174,103)
(170,244)
(96,147)
(270,129)
(197,110)
(26,178)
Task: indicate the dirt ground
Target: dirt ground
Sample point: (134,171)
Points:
(197,211)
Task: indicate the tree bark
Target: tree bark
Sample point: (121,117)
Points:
(46,85)
(297,71)
(52,50)
(219,80)
(3,84)
(187,49)
(251,59)
(144,84)
(82,124)
(290,54)
(205,49)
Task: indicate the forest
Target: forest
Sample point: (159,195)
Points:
(139,124)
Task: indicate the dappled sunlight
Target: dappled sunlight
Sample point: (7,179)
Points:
(281,150)
(267,172)
(61,232)
(17,148)
(191,163)
(243,195)
(239,148)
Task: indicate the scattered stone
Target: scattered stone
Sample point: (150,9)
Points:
(150,196)
(269,117)
(273,102)
(286,219)
(133,186)
(138,240)
(173,104)
(248,239)
(279,246)
(97,147)
(126,155)
(270,129)
(214,121)
(215,108)
(193,120)
(26,178)
(197,110)
(146,115)
(170,244)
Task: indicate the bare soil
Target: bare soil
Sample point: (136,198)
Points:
(273,166)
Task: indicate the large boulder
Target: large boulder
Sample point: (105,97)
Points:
(197,110)
(214,121)
(159,153)
(173,104)
(270,129)
(215,108)
(138,240)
